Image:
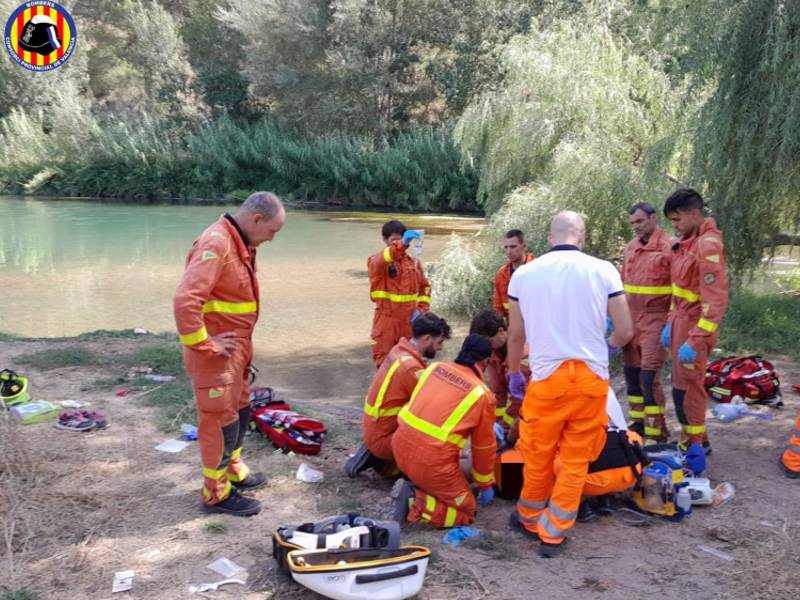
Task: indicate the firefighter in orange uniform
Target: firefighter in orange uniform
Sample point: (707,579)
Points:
(790,461)
(216,308)
(646,278)
(391,389)
(699,299)
(397,287)
(514,247)
(449,405)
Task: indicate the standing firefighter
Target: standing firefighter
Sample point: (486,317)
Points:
(397,287)
(699,301)
(560,303)
(450,405)
(216,309)
(515,249)
(646,278)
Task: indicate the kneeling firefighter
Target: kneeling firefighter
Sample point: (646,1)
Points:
(391,389)
(449,405)
(790,460)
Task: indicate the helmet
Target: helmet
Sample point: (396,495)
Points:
(40,35)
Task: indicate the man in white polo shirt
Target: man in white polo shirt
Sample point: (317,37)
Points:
(559,303)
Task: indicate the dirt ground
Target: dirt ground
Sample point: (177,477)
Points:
(76,507)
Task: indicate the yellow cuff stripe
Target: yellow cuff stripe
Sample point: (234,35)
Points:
(648,290)
(190,339)
(707,325)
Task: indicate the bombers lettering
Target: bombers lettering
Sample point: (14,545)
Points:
(40,3)
(453,378)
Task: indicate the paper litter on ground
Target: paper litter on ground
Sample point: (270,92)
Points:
(71,404)
(123,581)
(225,567)
(309,474)
(172,446)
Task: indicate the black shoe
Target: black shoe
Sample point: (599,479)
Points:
(787,471)
(637,427)
(402,503)
(585,512)
(235,504)
(362,460)
(515,523)
(551,550)
(253,481)
(706,447)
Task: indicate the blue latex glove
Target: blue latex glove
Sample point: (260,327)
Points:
(612,350)
(499,435)
(696,458)
(517,385)
(686,354)
(458,534)
(665,335)
(417,313)
(409,235)
(485,496)
(609,327)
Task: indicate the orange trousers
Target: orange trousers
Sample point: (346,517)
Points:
(387,329)
(688,389)
(445,501)
(791,456)
(643,358)
(564,414)
(223,415)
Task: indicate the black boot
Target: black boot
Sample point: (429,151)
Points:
(251,482)
(235,504)
(362,460)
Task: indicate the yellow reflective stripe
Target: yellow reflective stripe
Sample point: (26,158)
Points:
(382,294)
(499,412)
(213,473)
(651,431)
(479,478)
(648,290)
(719,390)
(430,503)
(234,308)
(636,399)
(636,414)
(236,454)
(685,294)
(375,410)
(508,419)
(426,299)
(450,517)
(506,305)
(653,410)
(387,254)
(694,429)
(190,339)
(707,325)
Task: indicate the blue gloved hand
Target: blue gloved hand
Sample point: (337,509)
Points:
(609,327)
(612,350)
(686,354)
(409,235)
(417,313)
(499,435)
(696,458)
(665,335)
(458,534)
(485,496)
(517,385)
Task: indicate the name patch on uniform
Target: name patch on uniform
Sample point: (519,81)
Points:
(216,393)
(709,278)
(209,255)
(713,258)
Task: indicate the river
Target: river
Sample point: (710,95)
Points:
(69,266)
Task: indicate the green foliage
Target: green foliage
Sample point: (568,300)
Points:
(56,358)
(762,324)
(215,527)
(747,148)
(20,595)
(166,360)
(174,401)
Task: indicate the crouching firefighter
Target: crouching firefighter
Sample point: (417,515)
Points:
(790,460)
(391,389)
(216,308)
(449,405)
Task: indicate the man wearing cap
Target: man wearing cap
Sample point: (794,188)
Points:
(559,303)
(450,405)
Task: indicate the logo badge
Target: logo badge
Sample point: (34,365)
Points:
(40,35)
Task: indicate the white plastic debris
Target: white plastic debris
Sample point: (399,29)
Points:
(71,404)
(172,446)
(140,331)
(212,587)
(159,378)
(123,581)
(225,567)
(309,474)
(714,552)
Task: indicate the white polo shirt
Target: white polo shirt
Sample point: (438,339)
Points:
(563,297)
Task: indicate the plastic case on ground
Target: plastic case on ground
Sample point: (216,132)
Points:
(360,574)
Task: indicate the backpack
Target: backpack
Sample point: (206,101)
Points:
(750,377)
(13,389)
(286,429)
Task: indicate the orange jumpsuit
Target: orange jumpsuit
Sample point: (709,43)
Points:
(610,481)
(700,299)
(397,287)
(217,294)
(564,413)
(450,404)
(791,456)
(501,279)
(646,278)
(390,390)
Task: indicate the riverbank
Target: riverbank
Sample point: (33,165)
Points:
(78,507)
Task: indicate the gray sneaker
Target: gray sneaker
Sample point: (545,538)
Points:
(403,493)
